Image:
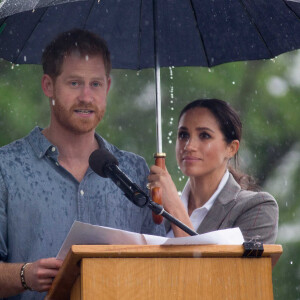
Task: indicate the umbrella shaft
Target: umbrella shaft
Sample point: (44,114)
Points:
(158,111)
(157,81)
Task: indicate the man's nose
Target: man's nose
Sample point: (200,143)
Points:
(86,94)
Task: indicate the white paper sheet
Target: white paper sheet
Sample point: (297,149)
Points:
(87,234)
(231,236)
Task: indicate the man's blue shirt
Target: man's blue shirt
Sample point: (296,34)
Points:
(40,200)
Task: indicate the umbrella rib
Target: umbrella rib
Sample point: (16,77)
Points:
(46,8)
(89,13)
(3,24)
(199,31)
(291,9)
(256,27)
(29,35)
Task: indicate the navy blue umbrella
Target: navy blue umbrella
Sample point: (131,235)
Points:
(188,32)
(160,33)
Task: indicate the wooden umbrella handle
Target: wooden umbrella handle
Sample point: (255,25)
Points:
(156,192)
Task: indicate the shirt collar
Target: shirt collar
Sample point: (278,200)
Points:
(41,145)
(38,142)
(187,189)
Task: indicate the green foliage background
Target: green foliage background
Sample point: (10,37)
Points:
(265,93)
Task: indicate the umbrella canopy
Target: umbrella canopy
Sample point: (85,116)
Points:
(10,7)
(188,32)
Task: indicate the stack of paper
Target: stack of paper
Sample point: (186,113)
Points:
(87,234)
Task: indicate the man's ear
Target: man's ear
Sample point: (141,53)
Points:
(47,85)
(108,84)
(233,148)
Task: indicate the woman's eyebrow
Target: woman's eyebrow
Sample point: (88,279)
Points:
(198,128)
(204,128)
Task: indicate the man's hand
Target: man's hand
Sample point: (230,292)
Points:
(40,274)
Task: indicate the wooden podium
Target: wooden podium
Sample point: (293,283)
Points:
(165,272)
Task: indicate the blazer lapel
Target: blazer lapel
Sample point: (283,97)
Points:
(221,207)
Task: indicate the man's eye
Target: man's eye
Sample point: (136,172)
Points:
(96,84)
(74,83)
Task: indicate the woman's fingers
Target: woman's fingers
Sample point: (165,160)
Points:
(157,174)
(156,170)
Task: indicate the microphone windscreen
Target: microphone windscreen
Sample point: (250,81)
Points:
(101,158)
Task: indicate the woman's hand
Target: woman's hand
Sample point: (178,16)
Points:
(161,178)
(170,198)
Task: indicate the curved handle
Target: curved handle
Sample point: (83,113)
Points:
(156,192)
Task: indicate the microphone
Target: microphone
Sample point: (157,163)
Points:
(103,163)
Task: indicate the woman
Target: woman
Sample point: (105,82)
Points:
(215,196)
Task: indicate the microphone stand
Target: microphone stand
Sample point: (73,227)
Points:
(137,196)
(159,210)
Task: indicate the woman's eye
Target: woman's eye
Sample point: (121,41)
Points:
(204,135)
(183,135)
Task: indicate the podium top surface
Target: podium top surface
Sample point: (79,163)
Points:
(168,251)
(80,251)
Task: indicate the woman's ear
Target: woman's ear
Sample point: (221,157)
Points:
(47,85)
(233,148)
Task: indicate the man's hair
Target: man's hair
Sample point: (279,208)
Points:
(79,41)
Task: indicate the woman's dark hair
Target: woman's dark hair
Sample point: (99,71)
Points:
(231,127)
(80,41)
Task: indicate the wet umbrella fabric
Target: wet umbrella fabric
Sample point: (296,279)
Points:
(188,32)
(10,7)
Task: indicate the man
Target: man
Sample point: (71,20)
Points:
(45,179)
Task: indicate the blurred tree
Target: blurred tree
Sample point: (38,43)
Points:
(22,104)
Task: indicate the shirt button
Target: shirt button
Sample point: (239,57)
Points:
(82,192)
(57,163)
(53,149)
